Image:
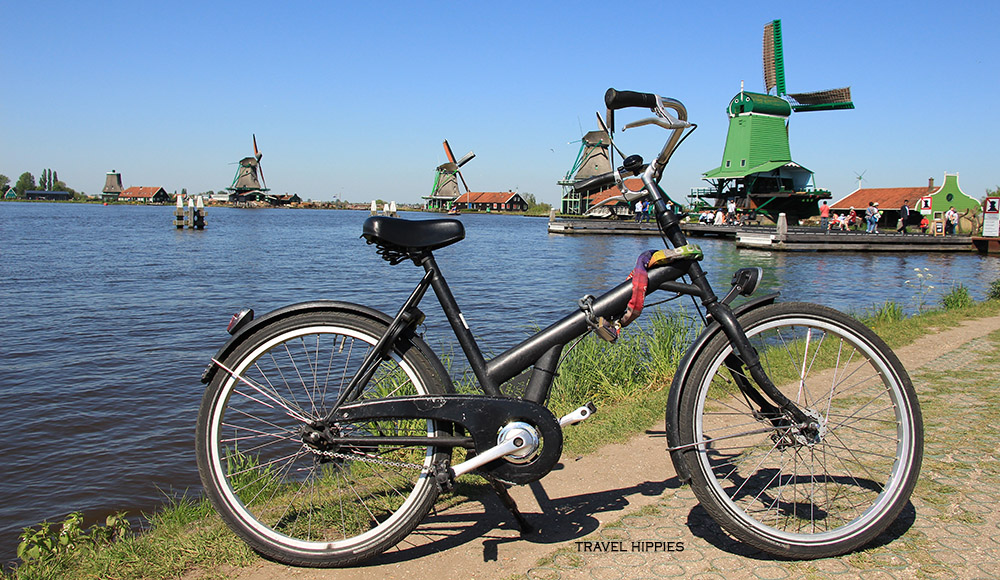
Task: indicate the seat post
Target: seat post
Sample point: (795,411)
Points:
(459,325)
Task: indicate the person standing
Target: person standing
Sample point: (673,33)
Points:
(730,211)
(869,217)
(904,216)
(950,221)
(824,216)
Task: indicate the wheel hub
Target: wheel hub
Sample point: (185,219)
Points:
(801,435)
(319,435)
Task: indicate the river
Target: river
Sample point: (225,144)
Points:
(110,314)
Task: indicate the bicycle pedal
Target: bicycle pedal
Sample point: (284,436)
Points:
(580,414)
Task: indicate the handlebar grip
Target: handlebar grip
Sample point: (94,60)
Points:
(596,181)
(622,99)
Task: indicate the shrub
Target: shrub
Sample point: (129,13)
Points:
(994,292)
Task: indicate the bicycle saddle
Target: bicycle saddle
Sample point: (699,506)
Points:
(413,234)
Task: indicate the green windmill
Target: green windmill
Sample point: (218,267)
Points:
(757,170)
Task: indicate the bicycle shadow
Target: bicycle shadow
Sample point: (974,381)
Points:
(704,527)
(485,518)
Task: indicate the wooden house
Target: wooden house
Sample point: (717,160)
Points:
(144,195)
(492,201)
(49,195)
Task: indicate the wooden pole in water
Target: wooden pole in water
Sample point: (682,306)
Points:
(199,213)
(179,213)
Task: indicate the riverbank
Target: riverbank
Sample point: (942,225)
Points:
(626,491)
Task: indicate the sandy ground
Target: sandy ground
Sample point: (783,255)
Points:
(479,540)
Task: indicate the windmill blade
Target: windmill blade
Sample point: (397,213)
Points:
(448,153)
(467,158)
(255,152)
(828,100)
(774,59)
(463,181)
(260,168)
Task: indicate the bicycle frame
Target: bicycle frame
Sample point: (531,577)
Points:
(542,351)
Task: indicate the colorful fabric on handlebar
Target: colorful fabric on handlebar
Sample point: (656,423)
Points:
(640,277)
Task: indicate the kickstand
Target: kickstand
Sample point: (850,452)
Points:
(511,505)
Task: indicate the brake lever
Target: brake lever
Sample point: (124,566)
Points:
(674,123)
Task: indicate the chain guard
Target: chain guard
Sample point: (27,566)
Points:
(482,417)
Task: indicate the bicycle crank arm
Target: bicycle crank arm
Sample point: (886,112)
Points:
(511,445)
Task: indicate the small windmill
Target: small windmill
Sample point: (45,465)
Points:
(446,178)
(245,183)
(774,78)
(860,177)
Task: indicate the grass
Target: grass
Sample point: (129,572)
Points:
(628,381)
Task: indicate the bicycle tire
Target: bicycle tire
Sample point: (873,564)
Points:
(283,498)
(768,483)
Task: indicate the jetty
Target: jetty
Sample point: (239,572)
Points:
(773,238)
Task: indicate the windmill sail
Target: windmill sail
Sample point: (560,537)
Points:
(828,100)
(774,78)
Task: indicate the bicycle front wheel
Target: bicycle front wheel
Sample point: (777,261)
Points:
(791,491)
(318,504)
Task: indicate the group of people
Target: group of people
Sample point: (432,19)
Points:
(872,215)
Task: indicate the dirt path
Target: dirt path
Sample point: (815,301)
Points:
(612,486)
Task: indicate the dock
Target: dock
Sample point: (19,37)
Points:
(795,238)
(813,239)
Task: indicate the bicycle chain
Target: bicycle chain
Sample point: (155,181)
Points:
(364,459)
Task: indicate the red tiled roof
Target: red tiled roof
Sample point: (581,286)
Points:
(887,197)
(486,197)
(137,191)
(604,194)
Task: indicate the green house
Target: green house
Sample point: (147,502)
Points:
(949,195)
(11,194)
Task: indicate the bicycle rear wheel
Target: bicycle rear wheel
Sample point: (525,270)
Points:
(306,505)
(790,491)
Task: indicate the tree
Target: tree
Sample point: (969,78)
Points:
(25,183)
(4,183)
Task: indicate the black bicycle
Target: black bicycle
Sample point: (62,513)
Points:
(328,429)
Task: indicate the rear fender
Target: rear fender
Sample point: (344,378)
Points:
(681,378)
(304,307)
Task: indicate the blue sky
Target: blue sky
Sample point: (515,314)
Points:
(354,99)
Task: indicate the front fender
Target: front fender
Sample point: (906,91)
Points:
(285,312)
(681,378)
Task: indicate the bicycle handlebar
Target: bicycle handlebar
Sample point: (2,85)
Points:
(624,99)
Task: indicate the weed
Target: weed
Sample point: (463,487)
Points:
(958,297)
(884,313)
(71,538)
(922,287)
